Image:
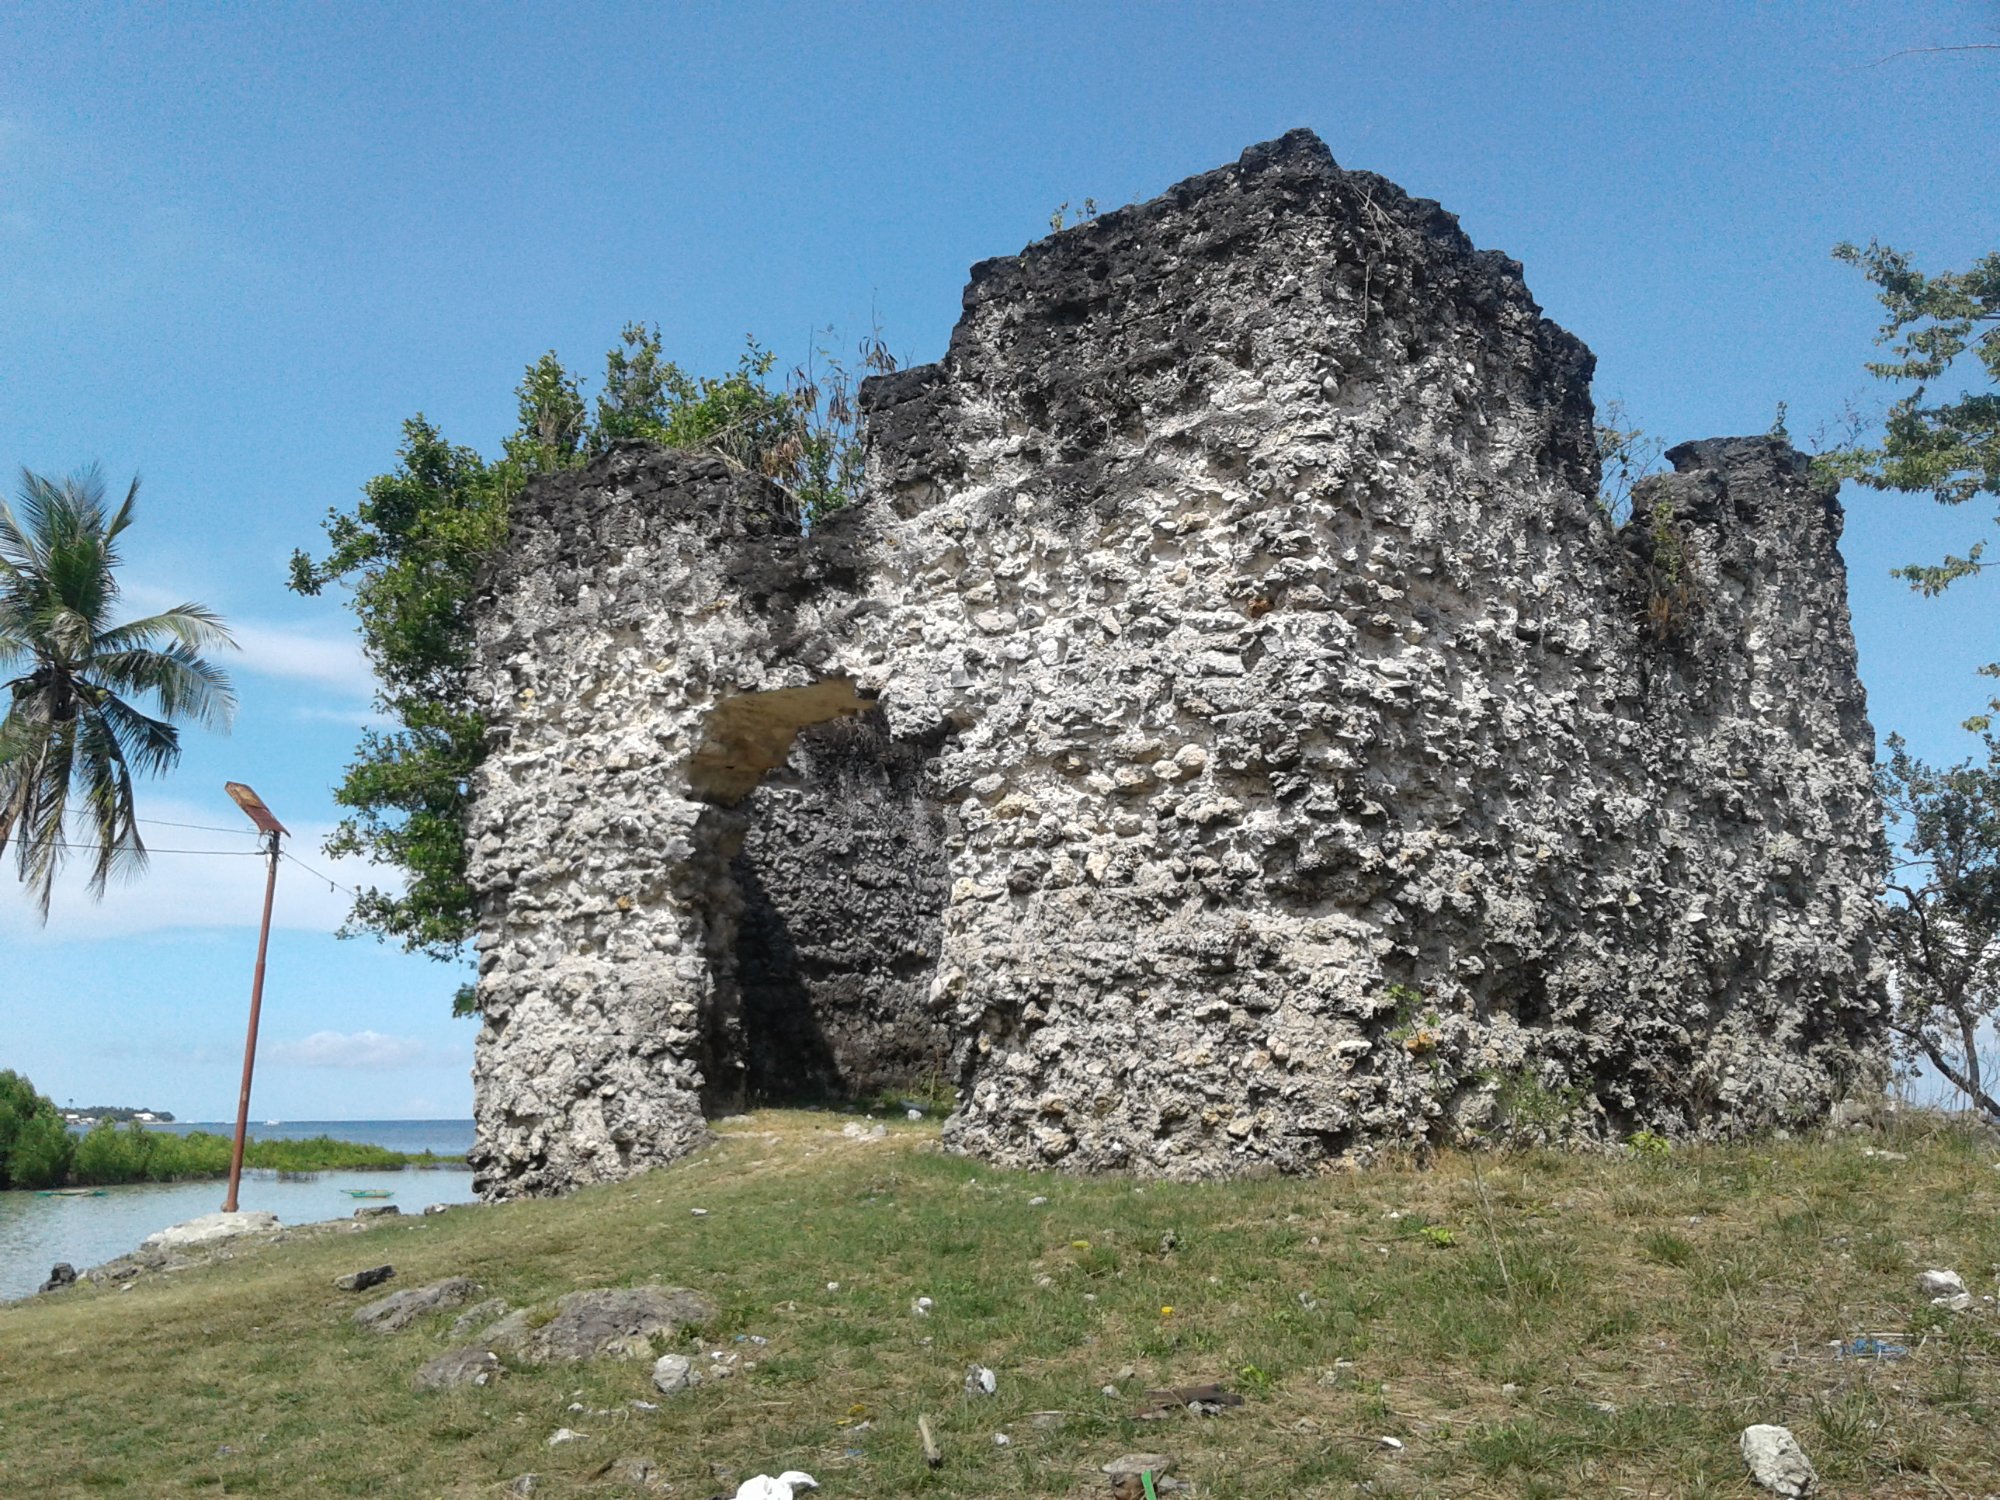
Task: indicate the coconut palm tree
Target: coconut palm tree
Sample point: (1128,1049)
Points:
(72,735)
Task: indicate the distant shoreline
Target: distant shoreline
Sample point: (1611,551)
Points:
(109,1155)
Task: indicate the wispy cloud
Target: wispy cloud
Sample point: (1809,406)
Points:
(333,661)
(360,716)
(149,240)
(329,658)
(363,1051)
(202,874)
(160,1050)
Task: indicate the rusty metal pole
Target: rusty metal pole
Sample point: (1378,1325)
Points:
(273,831)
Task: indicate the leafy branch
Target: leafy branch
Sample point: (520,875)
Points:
(1948,448)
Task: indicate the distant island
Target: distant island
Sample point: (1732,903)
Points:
(117,1114)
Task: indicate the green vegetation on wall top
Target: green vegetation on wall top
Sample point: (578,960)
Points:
(412,549)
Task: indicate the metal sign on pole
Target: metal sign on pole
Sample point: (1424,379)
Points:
(273,831)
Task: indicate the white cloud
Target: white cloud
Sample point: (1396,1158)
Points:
(368,1051)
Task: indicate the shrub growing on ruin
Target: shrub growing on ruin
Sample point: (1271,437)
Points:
(1625,455)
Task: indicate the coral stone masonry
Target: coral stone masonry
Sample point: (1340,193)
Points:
(1228,733)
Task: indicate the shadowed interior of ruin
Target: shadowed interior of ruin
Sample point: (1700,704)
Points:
(825,931)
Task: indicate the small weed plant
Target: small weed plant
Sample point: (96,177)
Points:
(1649,1145)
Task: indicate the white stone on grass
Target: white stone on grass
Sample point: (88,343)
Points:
(1777,1462)
(785,1487)
(673,1373)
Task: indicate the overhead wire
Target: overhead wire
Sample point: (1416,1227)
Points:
(224,853)
(332,884)
(198,827)
(285,854)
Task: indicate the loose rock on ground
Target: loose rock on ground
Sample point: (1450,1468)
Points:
(673,1373)
(398,1310)
(478,1316)
(473,1366)
(618,1322)
(1777,1462)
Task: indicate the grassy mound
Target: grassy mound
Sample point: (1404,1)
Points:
(1526,1325)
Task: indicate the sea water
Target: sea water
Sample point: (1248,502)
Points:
(445,1137)
(37,1232)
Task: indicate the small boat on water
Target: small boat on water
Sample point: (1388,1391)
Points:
(70,1193)
(368,1192)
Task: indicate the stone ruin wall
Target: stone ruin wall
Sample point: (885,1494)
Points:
(1229,733)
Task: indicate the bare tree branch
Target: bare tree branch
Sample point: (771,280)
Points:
(1952,1075)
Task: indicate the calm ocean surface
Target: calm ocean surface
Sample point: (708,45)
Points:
(37,1232)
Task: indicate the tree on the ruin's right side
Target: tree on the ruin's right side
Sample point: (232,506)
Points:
(1940,438)
(1942,443)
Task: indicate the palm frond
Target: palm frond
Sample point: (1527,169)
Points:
(41,800)
(15,641)
(24,538)
(24,725)
(186,686)
(151,745)
(120,519)
(67,631)
(23,746)
(193,625)
(67,559)
(16,551)
(108,802)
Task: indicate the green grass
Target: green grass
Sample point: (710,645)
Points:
(1640,1312)
(109,1154)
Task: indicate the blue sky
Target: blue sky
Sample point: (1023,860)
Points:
(238,245)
